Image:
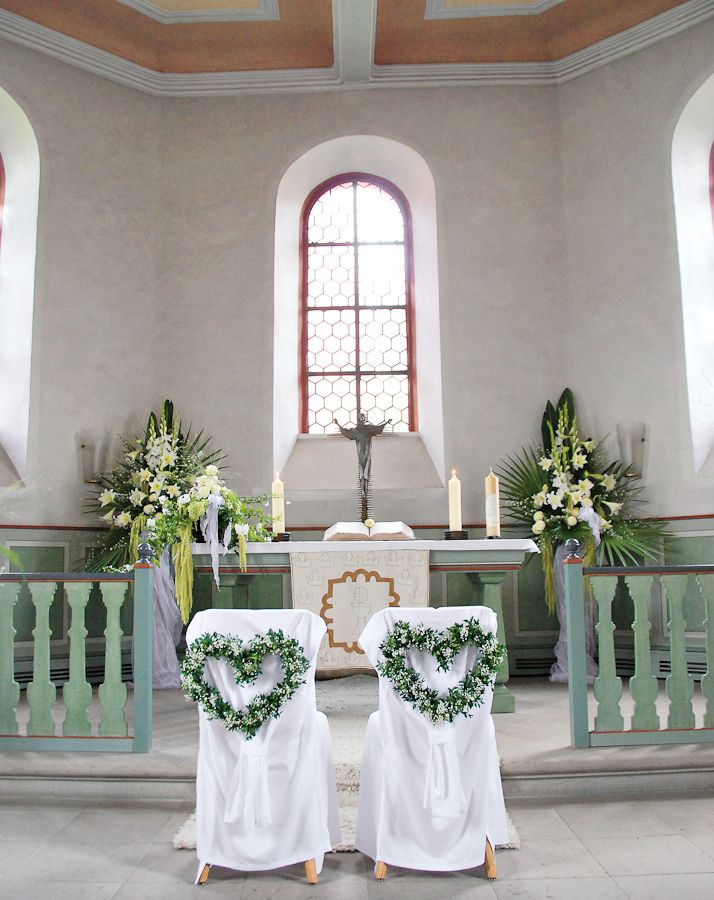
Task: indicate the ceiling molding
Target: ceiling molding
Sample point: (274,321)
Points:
(354,24)
(435,9)
(99,62)
(267,12)
(557,71)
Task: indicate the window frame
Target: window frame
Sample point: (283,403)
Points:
(399,198)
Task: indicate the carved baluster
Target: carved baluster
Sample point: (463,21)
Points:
(112,692)
(607,686)
(41,693)
(643,684)
(708,678)
(77,692)
(680,684)
(9,688)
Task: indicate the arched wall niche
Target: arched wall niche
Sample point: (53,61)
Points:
(691,173)
(310,462)
(21,159)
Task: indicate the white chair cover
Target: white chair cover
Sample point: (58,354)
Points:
(270,801)
(430,795)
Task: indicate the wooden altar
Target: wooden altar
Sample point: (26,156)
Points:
(485,562)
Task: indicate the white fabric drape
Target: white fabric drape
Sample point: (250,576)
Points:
(271,801)
(167,627)
(430,794)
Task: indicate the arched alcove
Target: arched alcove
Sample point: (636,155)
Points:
(21,159)
(410,460)
(691,155)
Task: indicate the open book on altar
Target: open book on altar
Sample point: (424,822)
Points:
(358,531)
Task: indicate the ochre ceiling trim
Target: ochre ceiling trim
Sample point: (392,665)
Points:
(301,39)
(404,36)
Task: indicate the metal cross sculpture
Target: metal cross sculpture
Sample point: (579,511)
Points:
(362,435)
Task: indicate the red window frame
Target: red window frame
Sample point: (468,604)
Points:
(403,204)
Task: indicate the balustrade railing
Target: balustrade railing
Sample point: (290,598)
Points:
(645,723)
(112,732)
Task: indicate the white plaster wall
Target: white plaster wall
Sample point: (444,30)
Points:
(622,331)
(95,316)
(557,264)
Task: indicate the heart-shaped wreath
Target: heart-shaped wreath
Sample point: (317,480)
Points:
(245,659)
(444,646)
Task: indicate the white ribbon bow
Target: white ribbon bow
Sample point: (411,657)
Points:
(209,530)
(248,798)
(443,792)
(588,515)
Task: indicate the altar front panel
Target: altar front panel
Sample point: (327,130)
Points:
(347,588)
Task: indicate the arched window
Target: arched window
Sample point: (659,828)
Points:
(357,317)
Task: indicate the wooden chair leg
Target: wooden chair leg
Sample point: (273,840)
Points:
(380,871)
(490,862)
(311,871)
(203,877)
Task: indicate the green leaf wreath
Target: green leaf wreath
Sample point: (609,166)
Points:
(159,492)
(444,646)
(566,486)
(246,660)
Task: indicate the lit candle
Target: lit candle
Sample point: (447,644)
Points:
(454,502)
(278,492)
(493,510)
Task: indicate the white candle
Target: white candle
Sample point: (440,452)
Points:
(454,502)
(493,510)
(278,492)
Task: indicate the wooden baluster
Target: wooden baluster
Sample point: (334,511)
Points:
(77,692)
(643,684)
(112,691)
(680,684)
(607,686)
(9,688)
(41,693)
(708,679)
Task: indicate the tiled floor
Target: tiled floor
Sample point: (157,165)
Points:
(654,849)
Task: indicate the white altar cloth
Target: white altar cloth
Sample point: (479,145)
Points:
(346,588)
(271,801)
(429,795)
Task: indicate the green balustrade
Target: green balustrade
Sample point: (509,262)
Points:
(680,684)
(41,691)
(645,724)
(643,684)
(112,692)
(113,729)
(9,688)
(708,678)
(77,692)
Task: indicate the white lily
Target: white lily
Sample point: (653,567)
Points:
(122,520)
(609,482)
(108,517)
(555,499)
(539,498)
(614,507)
(585,486)
(579,460)
(173,490)
(545,463)
(145,475)
(136,496)
(590,445)
(106,497)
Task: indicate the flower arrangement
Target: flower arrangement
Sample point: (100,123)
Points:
(245,659)
(444,646)
(166,490)
(566,488)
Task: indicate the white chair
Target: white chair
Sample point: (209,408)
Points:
(270,801)
(430,795)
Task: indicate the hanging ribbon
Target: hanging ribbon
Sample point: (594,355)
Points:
(242,532)
(209,530)
(248,798)
(443,793)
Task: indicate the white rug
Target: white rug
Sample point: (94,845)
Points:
(347,702)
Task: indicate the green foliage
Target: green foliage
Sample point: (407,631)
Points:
(567,488)
(444,647)
(245,660)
